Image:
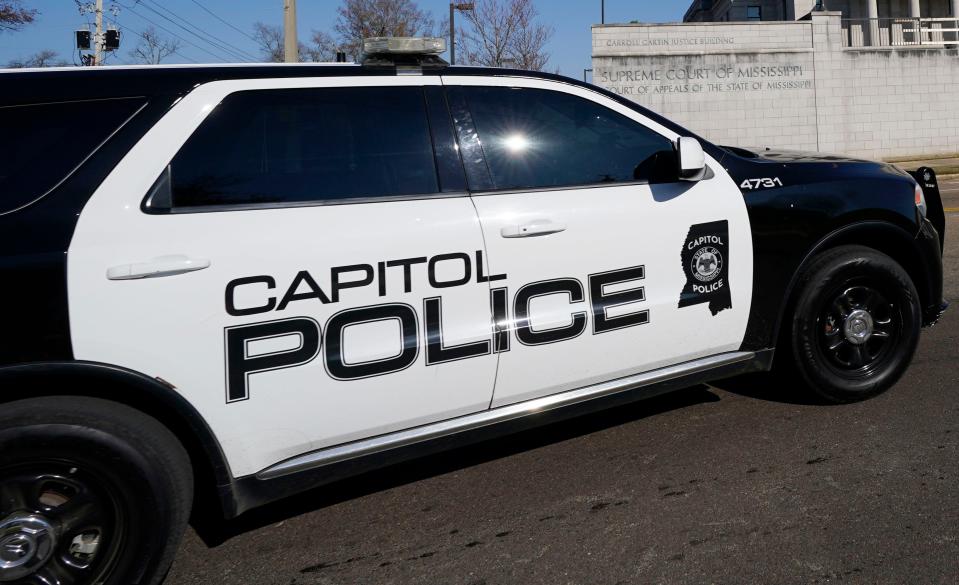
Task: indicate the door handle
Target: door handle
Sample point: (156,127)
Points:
(161,266)
(537,227)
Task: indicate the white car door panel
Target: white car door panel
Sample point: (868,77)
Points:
(603,280)
(309,326)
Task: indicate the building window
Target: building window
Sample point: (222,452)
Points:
(754,13)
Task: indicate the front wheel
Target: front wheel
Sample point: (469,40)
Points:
(856,324)
(91,492)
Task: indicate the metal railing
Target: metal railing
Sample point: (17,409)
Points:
(900,32)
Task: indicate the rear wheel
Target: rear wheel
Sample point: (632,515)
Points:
(856,324)
(90,492)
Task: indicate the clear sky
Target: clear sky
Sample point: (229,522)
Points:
(569,48)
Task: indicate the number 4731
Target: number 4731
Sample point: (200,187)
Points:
(761,183)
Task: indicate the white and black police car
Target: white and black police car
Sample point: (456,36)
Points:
(223,285)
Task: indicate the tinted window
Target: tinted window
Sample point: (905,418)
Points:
(43,144)
(302,145)
(537,138)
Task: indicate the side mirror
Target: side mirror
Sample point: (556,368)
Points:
(692,159)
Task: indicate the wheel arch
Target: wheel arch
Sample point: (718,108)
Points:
(882,236)
(152,396)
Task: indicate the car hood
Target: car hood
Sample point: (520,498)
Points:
(822,161)
(792,156)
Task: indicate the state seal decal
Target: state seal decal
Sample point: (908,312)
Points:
(705,259)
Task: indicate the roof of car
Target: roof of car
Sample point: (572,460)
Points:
(59,84)
(21,86)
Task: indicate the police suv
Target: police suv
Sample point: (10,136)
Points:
(223,285)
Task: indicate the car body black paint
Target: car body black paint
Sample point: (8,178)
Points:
(449,166)
(926,177)
(823,199)
(34,242)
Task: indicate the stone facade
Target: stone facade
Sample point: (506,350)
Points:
(786,85)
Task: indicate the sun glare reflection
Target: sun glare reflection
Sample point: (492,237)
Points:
(516,143)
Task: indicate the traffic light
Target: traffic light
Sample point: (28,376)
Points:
(83,40)
(111,40)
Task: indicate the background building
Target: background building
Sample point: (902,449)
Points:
(883,87)
(759,10)
(746,10)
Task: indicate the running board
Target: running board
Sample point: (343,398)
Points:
(494,416)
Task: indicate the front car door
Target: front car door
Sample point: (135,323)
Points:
(608,265)
(301,270)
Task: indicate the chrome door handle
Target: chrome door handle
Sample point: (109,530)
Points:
(537,227)
(161,266)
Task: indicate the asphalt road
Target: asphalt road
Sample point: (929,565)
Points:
(743,482)
(949,188)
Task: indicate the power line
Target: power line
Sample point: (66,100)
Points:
(204,36)
(144,37)
(222,43)
(173,34)
(219,55)
(214,15)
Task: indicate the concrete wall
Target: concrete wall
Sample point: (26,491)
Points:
(786,85)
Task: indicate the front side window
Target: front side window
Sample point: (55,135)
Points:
(754,13)
(305,145)
(534,138)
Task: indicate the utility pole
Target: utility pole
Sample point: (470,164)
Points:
(452,34)
(290,43)
(98,39)
(602,11)
(454,6)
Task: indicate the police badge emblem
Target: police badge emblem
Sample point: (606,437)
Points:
(705,259)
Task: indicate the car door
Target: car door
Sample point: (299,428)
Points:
(607,264)
(289,255)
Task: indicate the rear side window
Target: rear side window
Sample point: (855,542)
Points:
(535,138)
(44,144)
(305,145)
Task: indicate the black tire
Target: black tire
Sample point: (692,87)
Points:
(846,293)
(112,484)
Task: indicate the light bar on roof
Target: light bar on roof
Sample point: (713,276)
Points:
(404,45)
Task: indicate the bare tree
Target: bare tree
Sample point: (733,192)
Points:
(45,58)
(13,15)
(504,32)
(153,48)
(270,40)
(321,48)
(360,19)
(269,37)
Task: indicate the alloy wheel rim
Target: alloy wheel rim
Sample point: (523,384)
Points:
(59,524)
(858,328)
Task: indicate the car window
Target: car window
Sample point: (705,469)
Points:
(302,145)
(535,138)
(43,144)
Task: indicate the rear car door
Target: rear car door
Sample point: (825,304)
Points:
(607,264)
(292,258)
